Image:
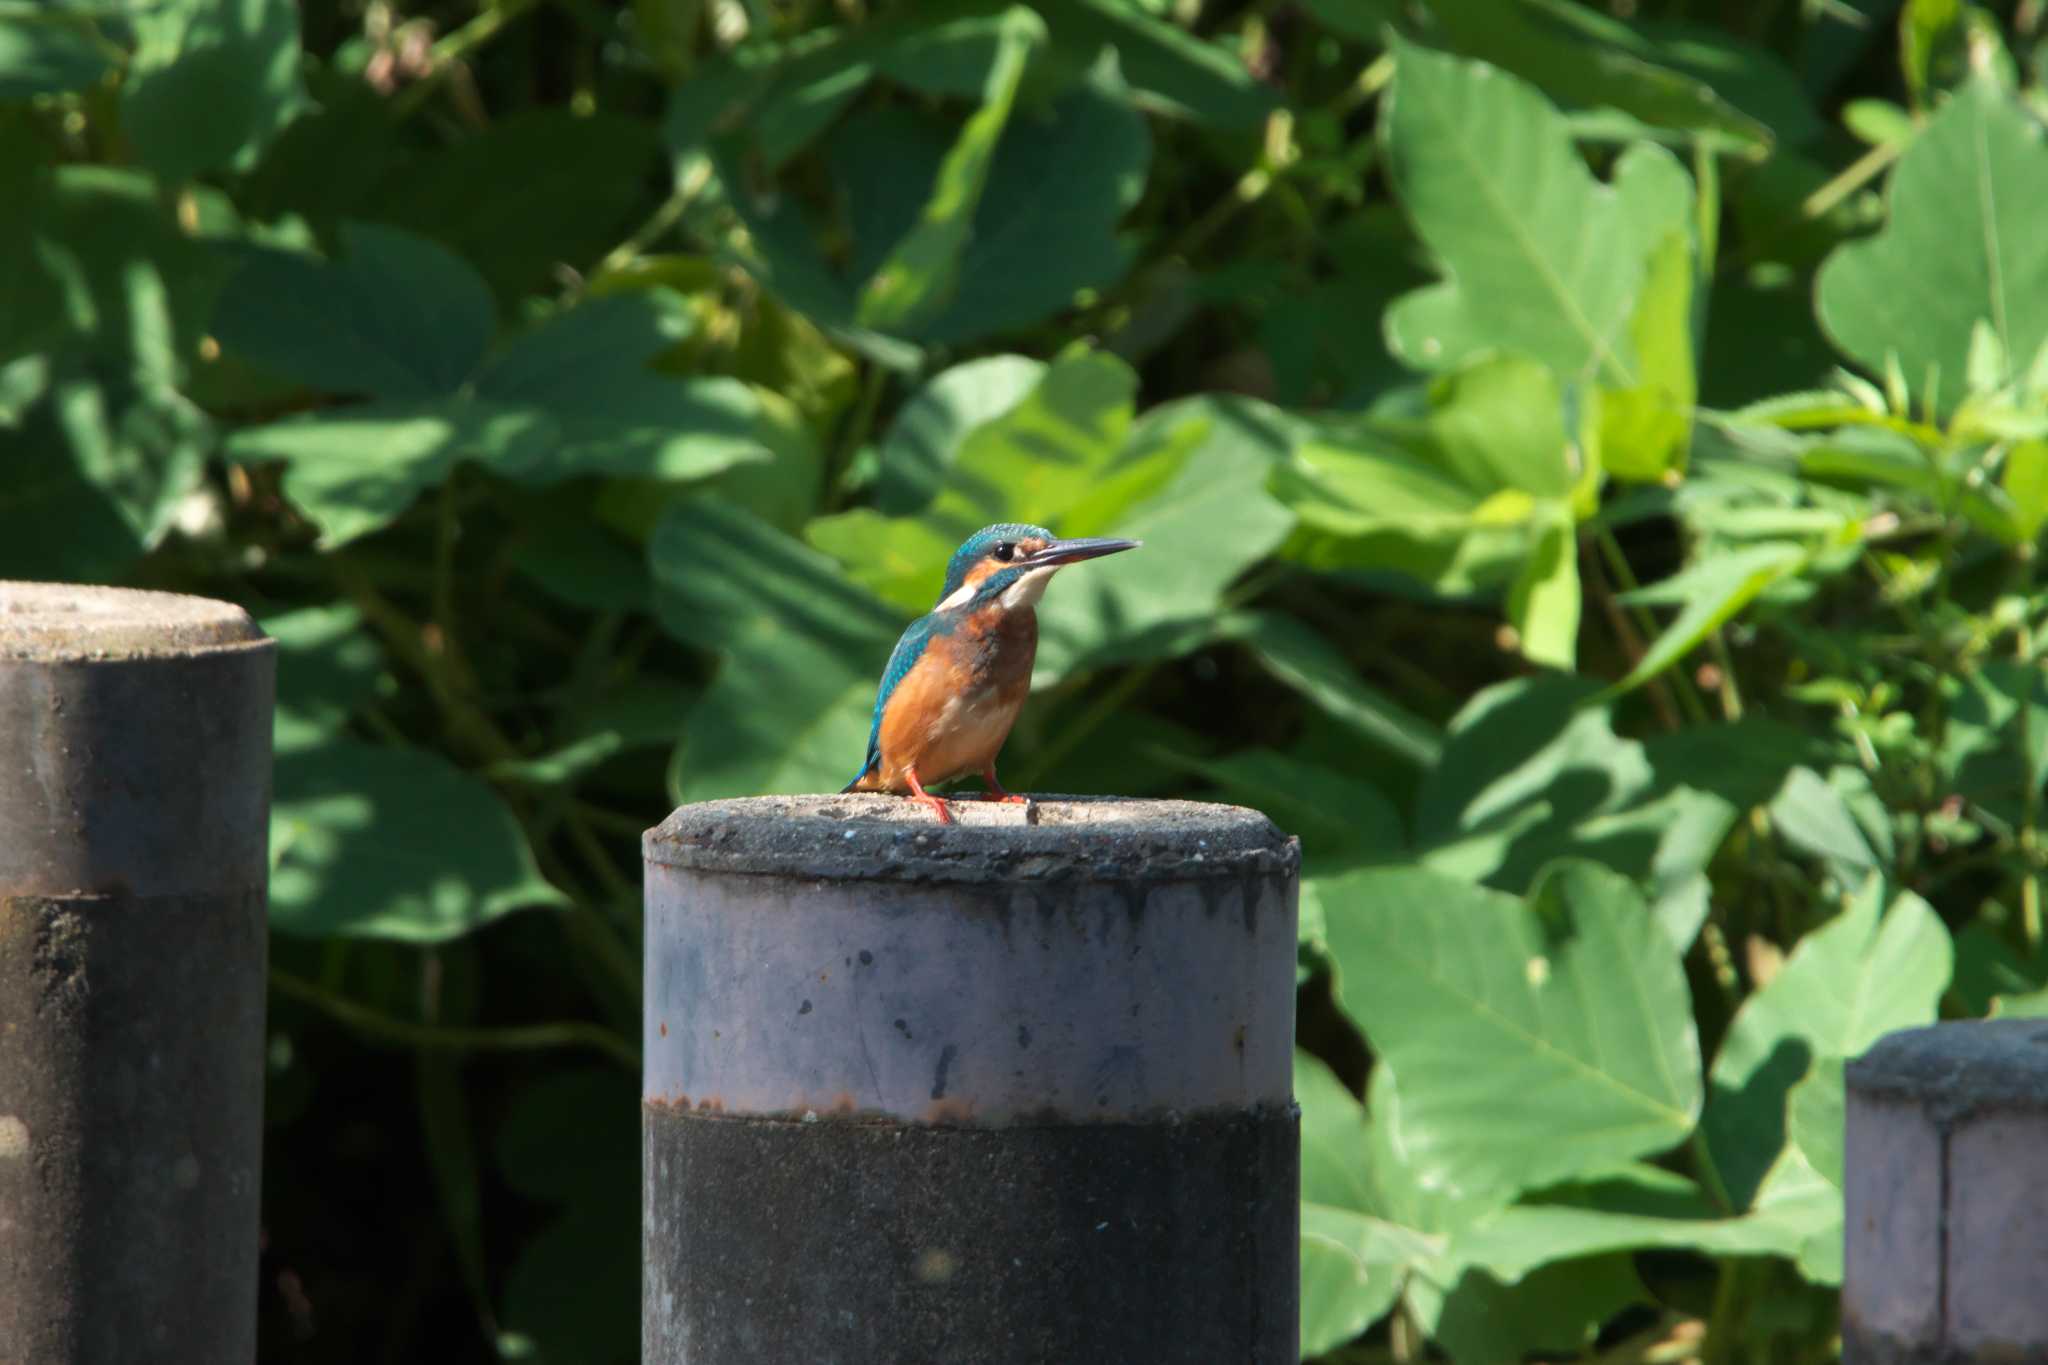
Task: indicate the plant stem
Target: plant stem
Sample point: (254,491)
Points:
(1688,695)
(453,48)
(403,1032)
(1108,704)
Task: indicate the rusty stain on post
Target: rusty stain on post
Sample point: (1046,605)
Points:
(1057,1038)
(134,816)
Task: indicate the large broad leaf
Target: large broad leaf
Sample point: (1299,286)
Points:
(1708,595)
(1045,454)
(1169,70)
(394,317)
(1309,664)
(1962,245)
(804,649)
(1356,1252)
(1541,257)
(919,275)
(1581,61)
(355,469)
(47,55)
(587,369)
(572,397)
(1473,995)
(1204,528)
(1638,1210)
(1342,819)
(1845,985)
(327,664)
(1530,772)
(929,429)
(1031,252)
(1482,488)
(527,196)
(210,83)
(392,843)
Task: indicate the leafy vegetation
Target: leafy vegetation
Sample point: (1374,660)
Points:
(1592,463)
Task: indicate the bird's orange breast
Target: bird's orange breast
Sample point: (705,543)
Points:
(953,710)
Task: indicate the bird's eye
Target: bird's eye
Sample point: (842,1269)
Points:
(1005,550)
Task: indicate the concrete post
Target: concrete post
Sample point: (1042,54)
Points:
(1018,1089)
(134,811)
(1945,1173)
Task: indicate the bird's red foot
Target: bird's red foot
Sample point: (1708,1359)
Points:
(995,790)
(918,793)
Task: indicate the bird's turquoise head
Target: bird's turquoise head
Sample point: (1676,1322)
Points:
(1010,555)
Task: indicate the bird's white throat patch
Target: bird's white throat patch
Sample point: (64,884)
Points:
(1026,591)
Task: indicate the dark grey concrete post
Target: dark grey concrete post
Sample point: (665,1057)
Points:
(1945,1172)
(1013,1090)
(134,812)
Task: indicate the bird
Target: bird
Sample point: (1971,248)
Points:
(958,677)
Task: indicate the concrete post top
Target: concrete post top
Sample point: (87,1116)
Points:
(1958,1069)
(67,622)
(1056,838)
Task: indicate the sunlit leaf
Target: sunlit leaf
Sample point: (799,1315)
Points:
(1959,245)
(1864,974)
(1709,594)
(210,83)
(1541,257)
(393,843)
(1472,994)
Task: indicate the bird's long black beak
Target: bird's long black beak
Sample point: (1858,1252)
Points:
(1073,551)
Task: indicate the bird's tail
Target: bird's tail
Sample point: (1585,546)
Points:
(858,778)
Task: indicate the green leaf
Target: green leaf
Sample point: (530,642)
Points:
(588,370)
(1353,1258)
(2025,481)
(1960,245)
(1472,995)
(1341,819)
(919,275)
(1543,605)
(354,469)
(1031,253)
(1813,815)
(396,317)
(1530,772)
(374,842)
(930,427)
(327,665)
(1710,593)
(1814,1120)
(1541,258)
(1517,1241)
(1308,663)
(1211,522)
(1646,430)
(1169,71)
(1580,57)
(527,196)
(804,649)
(211,82)
(1843,986)
(47,56)
(1036,462)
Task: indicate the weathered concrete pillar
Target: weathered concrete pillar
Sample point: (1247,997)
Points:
(134,812)
(1946,1191)
(1013,1090)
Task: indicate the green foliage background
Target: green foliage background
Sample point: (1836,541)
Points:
(1591,462)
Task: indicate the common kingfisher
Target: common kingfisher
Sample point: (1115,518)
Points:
(958,677)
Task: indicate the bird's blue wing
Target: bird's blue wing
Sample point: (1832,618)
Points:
(909,649)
